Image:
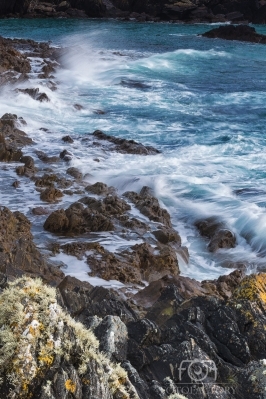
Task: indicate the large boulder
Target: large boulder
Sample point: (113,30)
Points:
(77,219)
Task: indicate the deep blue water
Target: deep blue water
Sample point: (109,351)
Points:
(201,101)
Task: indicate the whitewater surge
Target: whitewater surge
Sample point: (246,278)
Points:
(193,98)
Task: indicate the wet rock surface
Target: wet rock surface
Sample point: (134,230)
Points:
(218,233)
(149,206)
(35,94)
(124,146)
(12,139)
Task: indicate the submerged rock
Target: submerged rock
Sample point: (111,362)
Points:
(35,94)
(125,146)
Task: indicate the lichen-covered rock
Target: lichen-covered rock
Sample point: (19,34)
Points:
(252,288)
(45,353)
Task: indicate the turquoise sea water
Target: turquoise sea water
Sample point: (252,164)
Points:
(200,101)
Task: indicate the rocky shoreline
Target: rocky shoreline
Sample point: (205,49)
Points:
(174,337)
(191,11)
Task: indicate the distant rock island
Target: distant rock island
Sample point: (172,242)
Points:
(243,33)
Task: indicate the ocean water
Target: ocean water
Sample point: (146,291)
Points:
(200,101)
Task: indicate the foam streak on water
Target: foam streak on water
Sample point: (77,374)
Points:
(200,101)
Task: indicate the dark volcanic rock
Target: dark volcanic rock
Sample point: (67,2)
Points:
(68,139)
(125,146)
(66,155)
(243,33)
(214,229)
(85,301)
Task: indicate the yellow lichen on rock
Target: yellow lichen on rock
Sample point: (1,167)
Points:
(252,288)
(70,386)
